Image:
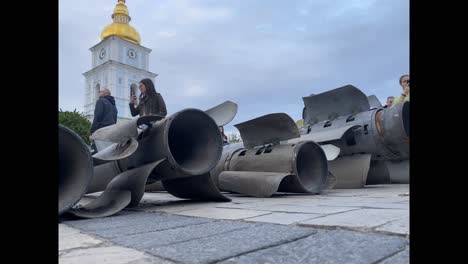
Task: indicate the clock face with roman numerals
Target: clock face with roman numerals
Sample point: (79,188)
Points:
(132,53)
(102,54)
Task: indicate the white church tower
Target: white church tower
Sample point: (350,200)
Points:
(117,62)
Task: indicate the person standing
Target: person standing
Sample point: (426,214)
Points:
(405,94)
(150,102)
(223,136)
(105,111)
(389,101)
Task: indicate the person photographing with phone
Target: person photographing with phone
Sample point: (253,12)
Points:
(405,94)
(150,102)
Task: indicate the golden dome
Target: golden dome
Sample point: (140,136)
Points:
(120,27)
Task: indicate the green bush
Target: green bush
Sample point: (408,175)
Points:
(77,122)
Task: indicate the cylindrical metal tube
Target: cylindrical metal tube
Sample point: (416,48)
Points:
(382,133)
(305,159)
(394,129)
(75,168)
(188,139)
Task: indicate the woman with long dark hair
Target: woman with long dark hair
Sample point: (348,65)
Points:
(151,102)
(223,136)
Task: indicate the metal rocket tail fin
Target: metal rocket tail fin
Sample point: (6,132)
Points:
(123,131)
(75,169)
(124,190)
(350,171)
(399,171)
(331,151)
(271,128)
(155,187)
(115,151)
(107,204)
(374,101)
(117,133)
(223,113)
(200,187)
(338,102)
(257,184)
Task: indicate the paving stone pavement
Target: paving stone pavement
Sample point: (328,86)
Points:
(328,247)
(80,248)
(369,225)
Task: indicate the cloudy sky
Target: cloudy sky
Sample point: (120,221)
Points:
(263,55)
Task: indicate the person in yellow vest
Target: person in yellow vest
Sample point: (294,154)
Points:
(405,94)
(300,123)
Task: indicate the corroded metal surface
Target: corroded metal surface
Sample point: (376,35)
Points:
(271,128)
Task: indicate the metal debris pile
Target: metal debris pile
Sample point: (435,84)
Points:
(344,143)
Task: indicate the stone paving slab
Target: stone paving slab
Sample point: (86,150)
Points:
(150,227)
(388,199)
(332,202)
(403,202)
(223,213)
(249,205)
(174,206)
(380,195)
(80,248)
(372,190)
(77,240)
(153,233)
(181,234)
(399,258)
(312,209)
(65,230)
(244,205)
(119,221)
(350,194)
(364,218)
(334,246)
(110,255)
(365,204)
(223,246)
(249,199)
(282,218)
(400,226)
(361,201)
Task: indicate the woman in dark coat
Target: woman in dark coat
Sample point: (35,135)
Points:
(151,102)
(223,136)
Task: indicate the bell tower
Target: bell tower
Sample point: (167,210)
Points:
(118,61)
